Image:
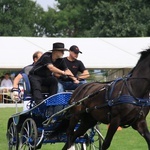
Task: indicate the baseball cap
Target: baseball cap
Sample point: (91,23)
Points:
(75,49)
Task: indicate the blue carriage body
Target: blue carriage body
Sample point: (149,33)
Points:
(47,116)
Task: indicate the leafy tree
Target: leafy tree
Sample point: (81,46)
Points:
(48,23)
(103,18)
(20,18)
(123,18)
(74,17)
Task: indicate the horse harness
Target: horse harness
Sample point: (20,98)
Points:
(120,99)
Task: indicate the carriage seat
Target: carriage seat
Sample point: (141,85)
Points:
(25,84)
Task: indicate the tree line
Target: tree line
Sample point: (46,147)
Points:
(76,18)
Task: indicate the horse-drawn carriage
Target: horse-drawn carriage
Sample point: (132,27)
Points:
(34,126)
(123,102)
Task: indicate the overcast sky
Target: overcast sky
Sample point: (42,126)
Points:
(46,3)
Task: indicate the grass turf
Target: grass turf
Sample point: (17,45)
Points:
(125,139)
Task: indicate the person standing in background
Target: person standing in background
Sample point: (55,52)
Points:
(6,82)
(6,85)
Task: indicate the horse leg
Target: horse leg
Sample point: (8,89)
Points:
(70,131)
(83,127)
(142,128)
(114,124)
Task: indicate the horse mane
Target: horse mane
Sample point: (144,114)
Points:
(144,54)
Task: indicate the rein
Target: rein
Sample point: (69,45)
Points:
(47,122)
(109,102)
(131,99)
(128,99)
(88,96)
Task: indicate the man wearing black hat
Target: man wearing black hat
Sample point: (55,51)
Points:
(42,72)
(75,66)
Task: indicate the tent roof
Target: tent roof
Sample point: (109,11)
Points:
(16,52)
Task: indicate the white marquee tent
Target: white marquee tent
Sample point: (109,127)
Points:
(98,53)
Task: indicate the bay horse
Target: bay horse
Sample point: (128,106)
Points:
(123,102)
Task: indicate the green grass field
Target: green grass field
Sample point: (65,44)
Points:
(125,139)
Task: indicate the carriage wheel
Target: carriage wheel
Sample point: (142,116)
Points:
(80,146)
(98,140)
(28,135)
(100,137)
(83,146)
(12,137)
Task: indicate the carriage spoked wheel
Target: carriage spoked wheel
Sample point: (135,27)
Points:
(80,146)
(96,143)
(12,137)
(28,135)
(98,138)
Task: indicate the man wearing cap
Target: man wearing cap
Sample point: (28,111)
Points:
(42,72)
(75,66)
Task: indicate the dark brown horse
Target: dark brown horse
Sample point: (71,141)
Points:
(123,102)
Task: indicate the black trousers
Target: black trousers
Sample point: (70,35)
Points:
(36,86)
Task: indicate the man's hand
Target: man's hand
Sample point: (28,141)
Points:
(76,81)
(15,94)
(64,78)
(68,73)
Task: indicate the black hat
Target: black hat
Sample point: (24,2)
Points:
(59,47)
(75,49)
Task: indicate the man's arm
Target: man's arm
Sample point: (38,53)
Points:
(16,80)
(57,72)
(75,80)
(84,75)
(54,69)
